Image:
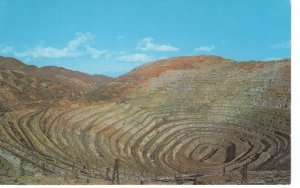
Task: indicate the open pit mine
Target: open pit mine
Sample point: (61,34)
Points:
(182,120)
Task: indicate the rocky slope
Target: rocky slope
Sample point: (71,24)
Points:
(194,117)
(26,86)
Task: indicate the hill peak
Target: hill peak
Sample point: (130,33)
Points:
(10,63)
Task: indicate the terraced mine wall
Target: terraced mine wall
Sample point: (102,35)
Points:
(183,126)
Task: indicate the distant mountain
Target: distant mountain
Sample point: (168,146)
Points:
(8,63)
(24,85)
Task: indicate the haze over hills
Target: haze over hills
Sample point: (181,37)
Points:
(195,116)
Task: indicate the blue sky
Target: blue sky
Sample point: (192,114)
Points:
(112,37)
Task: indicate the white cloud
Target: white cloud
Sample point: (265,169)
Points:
(147,44)
(95,53)
(282,45)
(205,48)
(49,52)
(75,48)
(272,59)
(5,49)
(81,38)
(136,58)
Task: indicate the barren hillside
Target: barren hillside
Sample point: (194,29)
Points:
(26,86)
(201,118)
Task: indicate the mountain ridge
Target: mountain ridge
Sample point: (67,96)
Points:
(24,86)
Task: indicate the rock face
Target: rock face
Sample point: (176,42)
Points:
(184,115)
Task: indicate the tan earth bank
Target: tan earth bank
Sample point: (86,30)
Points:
(183,120)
